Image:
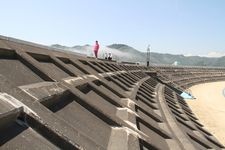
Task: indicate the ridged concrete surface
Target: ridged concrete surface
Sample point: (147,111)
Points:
(59,100)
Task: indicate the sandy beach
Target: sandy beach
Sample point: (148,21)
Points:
(209,107)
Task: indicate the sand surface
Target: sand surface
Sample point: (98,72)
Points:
(209,107)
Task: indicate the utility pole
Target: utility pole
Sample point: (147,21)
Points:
(148,56)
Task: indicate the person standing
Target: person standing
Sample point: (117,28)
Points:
(110,56)
(96,48)
(106,56)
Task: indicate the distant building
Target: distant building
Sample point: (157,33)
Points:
(176,63)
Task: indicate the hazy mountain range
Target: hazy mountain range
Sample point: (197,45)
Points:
(122,52)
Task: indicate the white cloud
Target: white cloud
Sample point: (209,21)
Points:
(214,54)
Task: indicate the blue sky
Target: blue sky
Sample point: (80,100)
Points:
(194,27)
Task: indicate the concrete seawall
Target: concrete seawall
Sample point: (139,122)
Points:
(51,99)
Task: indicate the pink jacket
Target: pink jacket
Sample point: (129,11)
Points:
(96,47)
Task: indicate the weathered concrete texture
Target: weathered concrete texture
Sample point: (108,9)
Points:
(18,72)
(16,136)
(15,133)
(184,77)
(72,112)
(58,100)
(48,63)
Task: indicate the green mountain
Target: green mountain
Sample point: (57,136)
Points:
(122,52)
(169,59)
